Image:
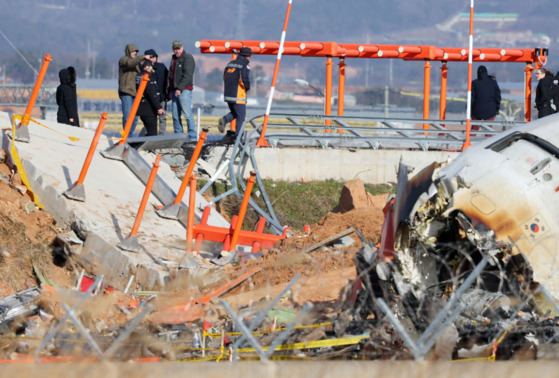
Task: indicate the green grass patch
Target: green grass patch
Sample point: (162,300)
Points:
(295,204)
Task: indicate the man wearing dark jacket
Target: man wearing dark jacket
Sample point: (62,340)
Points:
(181,84)
(67,98)
(150,106)
(127,70)
(486,97)
(236,85)
(162,75)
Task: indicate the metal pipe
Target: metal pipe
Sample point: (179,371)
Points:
(341,87)
(135,105)
(328,91)
(528,93)
(191,208)
(27,115)
(426,93)
(444,72)
(145,198)
(191,165)
(262,140)
(242,211)
(467,142)
(92,148)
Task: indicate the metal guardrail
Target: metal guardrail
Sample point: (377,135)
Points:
(289,130)
(19,94)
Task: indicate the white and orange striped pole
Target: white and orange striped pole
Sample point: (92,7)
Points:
(262,140)
(469,98)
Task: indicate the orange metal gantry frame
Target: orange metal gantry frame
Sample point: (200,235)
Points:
(426,53)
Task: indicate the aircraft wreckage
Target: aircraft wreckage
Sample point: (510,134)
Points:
(471,246)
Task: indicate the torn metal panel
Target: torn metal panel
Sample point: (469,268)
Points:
(511,187)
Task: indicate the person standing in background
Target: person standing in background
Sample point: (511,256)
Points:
(67,98)
(486,97)
(162,75)
(181,84)
(127,70)
(236,80)
(543,92)
(150,105)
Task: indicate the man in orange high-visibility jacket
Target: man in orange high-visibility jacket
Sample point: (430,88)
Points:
(236,85)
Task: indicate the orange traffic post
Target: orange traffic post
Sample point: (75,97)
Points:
(131,243)
(172,210)
(426,93)
(77,192)
(242,211)
(262,140)
(22,133)
(191,209)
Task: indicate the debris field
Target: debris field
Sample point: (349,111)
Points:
(360,284)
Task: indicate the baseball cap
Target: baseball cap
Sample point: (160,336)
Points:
(176,44)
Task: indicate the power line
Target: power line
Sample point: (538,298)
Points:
(19,53)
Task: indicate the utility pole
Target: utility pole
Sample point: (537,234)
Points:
(240,23)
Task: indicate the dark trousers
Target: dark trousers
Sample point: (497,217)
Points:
(476,127)
(150,122)
(238,112)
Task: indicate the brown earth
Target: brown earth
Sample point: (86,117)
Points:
(27,242)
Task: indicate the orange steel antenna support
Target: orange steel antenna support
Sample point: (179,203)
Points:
(135,105)
(27,115)
(426,94)
(191,165)
(131,243)
(259,229)
(242,211)
(147,192)
(444,73)
(262,140)
(467,142)
(341,87)
(328,92)
(191,207)
(528,93)
(77,192)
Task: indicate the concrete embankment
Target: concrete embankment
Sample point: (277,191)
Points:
(371,166)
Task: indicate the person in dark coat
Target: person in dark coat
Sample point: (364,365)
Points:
(67,98)
(150,105)
(162,75)
(236,80)
(543,92)
(486,97)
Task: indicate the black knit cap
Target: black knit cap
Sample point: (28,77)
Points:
(150,52)
(245,51)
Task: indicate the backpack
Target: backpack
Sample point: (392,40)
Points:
(554,93)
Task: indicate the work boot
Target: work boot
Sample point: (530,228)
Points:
(221,124)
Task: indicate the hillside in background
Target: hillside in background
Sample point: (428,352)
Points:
(91,35)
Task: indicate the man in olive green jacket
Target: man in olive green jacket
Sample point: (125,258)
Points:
(128,67)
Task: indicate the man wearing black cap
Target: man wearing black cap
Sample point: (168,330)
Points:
(150,105)
(161,74)
(236,85)
(181,84)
